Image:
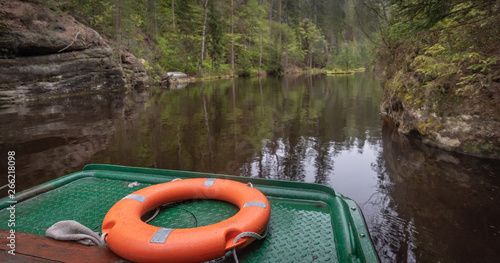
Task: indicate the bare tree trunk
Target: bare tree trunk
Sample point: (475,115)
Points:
(173,17)
(232,39)
(146,14)
(300,17)
(286,55)
(281,33)
(119,30)
(155,2)
(280,13)
(203,39)
(311,59)
(118,20)
(286,39)
(260,54)
(270,12)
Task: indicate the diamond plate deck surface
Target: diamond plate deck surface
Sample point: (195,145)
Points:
(299,231)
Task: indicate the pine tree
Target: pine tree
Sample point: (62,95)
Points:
(203,38)
(173,16)
(216,31)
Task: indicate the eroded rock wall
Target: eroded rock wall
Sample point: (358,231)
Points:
(46,54)
(469,125)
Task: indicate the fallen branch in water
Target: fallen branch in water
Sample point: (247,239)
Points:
(76,36)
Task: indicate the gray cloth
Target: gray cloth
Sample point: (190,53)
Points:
(71,230)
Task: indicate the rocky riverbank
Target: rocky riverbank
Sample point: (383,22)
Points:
(46,54)
(442,74)
(466,122)
(467,131)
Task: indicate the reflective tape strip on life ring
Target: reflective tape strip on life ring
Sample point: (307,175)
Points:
(131,238)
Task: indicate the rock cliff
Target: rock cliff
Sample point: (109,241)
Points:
(464,123)
(47,54)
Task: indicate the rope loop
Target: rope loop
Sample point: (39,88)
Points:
(247,234)
(157,210)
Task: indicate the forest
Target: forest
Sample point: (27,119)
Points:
(224,37)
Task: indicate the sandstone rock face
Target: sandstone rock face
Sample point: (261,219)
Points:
(467,128)
(133,69)
(44,54)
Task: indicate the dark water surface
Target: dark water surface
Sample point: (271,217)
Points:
(421,204)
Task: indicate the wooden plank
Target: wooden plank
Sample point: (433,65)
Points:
(5,257)
(34,248)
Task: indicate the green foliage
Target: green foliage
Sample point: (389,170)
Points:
(442,55)
(99,13)
(274,65)
(434,68)
(310,35)
(215,31)
(301,33)
(403,29)
(350,56)
(243,63)
(426,14)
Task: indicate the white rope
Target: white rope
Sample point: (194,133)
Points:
(247,234)
(250,184)
(154,215)
(70,43)
(176,179)
(235,256)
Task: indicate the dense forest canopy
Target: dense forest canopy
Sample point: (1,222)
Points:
(440,48)
(240,36)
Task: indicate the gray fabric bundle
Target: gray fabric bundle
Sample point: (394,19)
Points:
(71,230)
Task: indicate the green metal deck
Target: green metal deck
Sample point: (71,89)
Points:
(309,222)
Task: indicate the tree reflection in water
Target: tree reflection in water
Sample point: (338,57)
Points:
(421,204)
(432,205)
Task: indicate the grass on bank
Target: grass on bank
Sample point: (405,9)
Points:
(341,71)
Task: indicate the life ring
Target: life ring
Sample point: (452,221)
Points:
(130,237)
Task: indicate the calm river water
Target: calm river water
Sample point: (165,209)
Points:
(421,204)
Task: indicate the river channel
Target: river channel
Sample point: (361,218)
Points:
(421,204)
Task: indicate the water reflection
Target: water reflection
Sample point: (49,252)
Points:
(421,204)
(269,128)
(433,206)
(53,138)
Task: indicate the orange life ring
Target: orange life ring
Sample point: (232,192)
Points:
(133,239)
